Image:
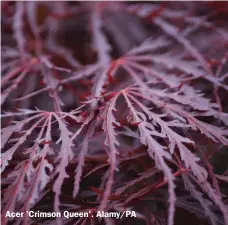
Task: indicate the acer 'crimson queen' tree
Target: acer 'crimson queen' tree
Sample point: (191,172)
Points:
(114,106)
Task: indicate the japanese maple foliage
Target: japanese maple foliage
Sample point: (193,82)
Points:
(114,106)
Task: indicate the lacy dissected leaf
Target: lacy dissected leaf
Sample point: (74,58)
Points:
(133,100)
